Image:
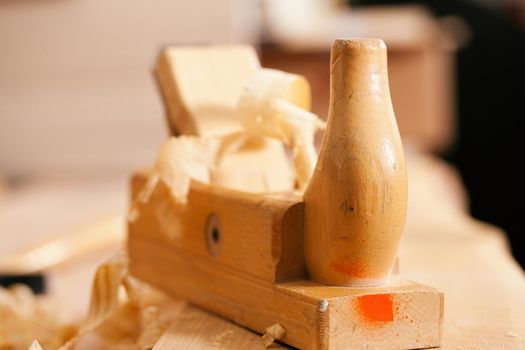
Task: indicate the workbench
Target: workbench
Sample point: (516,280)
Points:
(442,246)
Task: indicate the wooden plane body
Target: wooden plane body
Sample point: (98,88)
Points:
(240,255)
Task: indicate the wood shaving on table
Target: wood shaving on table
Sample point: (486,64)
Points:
(124,313)
(105,290)
(152,328)
(35,345)
(25,317)
(273,333)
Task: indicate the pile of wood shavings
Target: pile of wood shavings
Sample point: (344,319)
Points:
(123,314)
(25,317)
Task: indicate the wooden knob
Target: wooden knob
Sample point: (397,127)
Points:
(355,204)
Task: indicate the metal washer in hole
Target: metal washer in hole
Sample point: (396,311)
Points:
(213,235)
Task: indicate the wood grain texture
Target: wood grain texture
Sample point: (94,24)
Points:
(243,279)
(197,329)
(314,316)
(260,235)
(469,260)
(355,204)
(239,297)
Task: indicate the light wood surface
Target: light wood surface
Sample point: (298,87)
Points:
(197,329)
(484,287)
(201,86)
(469,260)
(355,204)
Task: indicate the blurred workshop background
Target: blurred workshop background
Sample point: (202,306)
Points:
(79,107)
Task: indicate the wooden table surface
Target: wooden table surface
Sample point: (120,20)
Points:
(442,247)
(470,261)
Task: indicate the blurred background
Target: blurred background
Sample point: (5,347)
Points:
(79,107)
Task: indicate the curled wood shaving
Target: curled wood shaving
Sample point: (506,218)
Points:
(117,329)
(252,163)
(273,333)
(152,328)
(179,160)
(275,104)
(105,290)
(124,313)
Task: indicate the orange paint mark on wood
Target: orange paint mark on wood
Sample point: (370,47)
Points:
(350,269)
(375,308)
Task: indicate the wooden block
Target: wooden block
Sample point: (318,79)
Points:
(201,86)
(404,315)
(244,277)
(258,234)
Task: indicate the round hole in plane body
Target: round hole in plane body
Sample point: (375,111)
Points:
(213,235)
